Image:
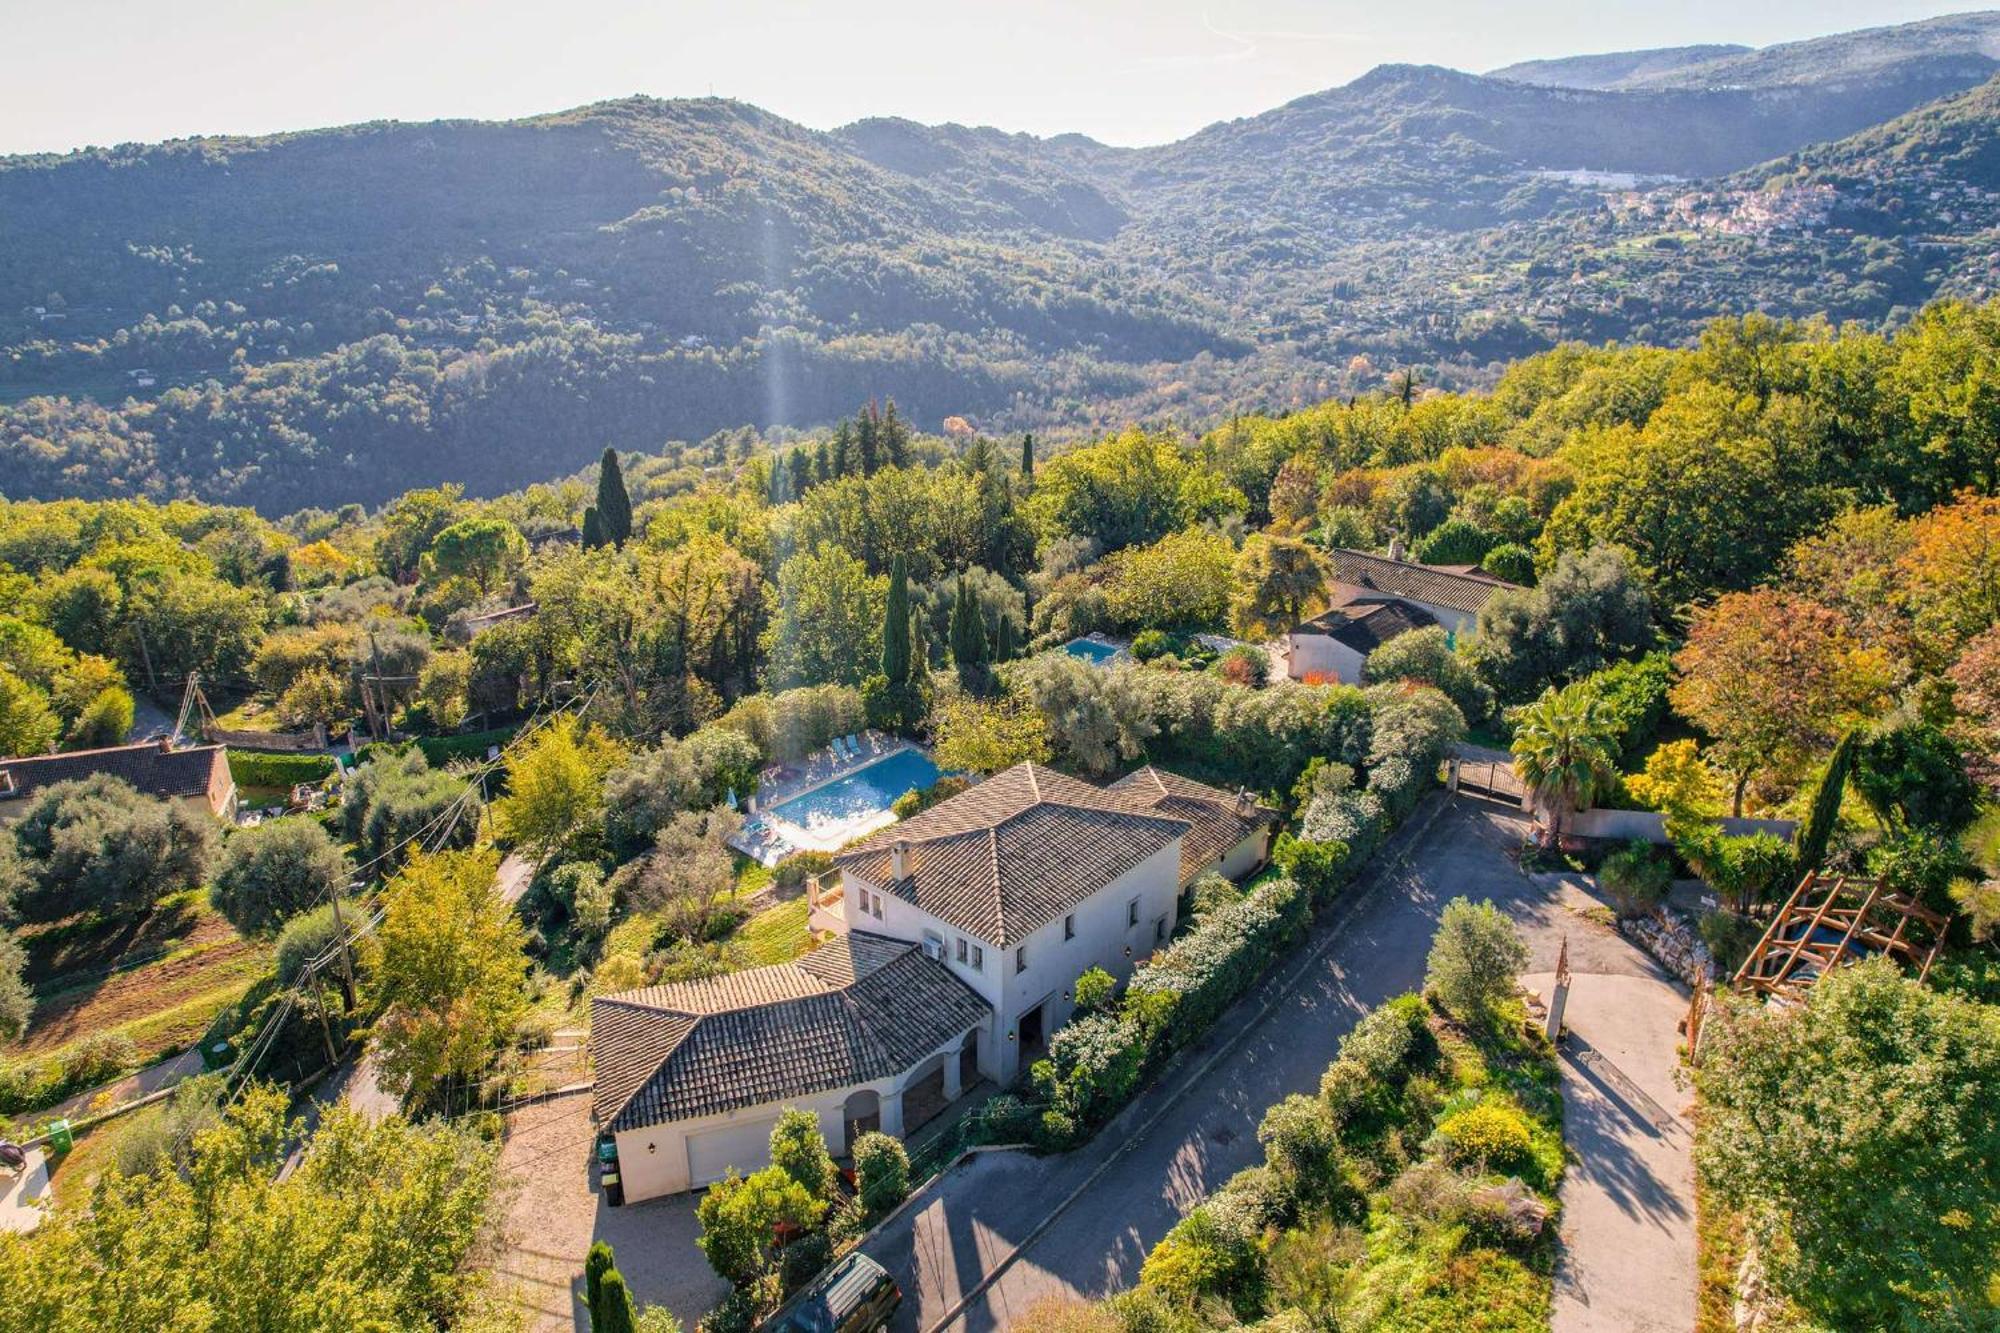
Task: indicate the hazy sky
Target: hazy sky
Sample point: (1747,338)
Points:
(1125,71)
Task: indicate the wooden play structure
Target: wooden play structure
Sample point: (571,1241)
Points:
(1832,920)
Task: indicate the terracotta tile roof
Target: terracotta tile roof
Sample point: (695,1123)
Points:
(1366,626)
(1008,856)
(1438,585)
(1217,820)
(858,1008)
(148,766)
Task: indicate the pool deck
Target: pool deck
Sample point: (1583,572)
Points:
(768,839)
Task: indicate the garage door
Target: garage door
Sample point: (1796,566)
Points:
(712,1152)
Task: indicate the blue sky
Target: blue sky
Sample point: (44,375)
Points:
(1124,71)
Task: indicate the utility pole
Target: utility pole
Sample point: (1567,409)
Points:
(325,1024)
(346,958)
(382,700)
(152,681)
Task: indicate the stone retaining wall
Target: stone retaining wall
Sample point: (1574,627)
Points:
(1672,939)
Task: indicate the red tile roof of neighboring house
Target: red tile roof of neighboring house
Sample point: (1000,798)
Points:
(199,770)
(1455,587)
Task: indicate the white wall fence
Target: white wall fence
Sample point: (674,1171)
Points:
(1650,826)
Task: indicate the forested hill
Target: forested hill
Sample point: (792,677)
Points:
(337,315)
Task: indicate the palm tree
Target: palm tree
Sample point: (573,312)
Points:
(1563,748)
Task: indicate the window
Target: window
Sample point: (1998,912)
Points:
(961,948)
(1159,930)
(875,909)
(1132,913)
(1069,927)
(978,958)
(1021,959)
(933,945)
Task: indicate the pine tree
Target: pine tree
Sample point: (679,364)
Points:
(896,626)
(822,464)
(842,453)
(802,473)
(1027,460)
(969,648)
(614,506)
(593,528)
(894,438)
(866,441)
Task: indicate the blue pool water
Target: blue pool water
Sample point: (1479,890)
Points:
(859,795)
(1090,651)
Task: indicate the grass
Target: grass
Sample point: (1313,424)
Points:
(777,934)
(1719,1249)
(157,981)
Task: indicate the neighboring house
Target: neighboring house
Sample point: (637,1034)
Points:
(1032,878)
(691,1077)
(197,777)
(1374,599)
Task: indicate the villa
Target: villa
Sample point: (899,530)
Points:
(1376,599)
(953,941)
(196,777)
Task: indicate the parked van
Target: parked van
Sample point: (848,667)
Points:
(856,1295)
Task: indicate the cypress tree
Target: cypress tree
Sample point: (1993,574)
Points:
(802,473)
(842,453)
(1028,460)
(595,1265)
(614,506)
(1817,831)
(920,646)
(969,648)
(822,464)
(613,1312)
(896,626)
(593,528)
(894,438)
(1003,639)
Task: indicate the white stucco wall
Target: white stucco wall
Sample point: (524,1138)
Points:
(1054,963)
(1321,655)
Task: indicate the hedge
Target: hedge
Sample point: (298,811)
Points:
(278,770)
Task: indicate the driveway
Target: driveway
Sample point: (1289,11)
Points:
(552,1211)
(1080,1224)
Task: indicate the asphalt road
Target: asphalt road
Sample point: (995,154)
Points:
(1080,1224)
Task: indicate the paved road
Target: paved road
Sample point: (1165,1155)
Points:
(1187,1135)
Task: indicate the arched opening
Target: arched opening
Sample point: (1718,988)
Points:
(861,1114)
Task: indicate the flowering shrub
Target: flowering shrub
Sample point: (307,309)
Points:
(1215,962)
(1490,1135)
(1357,818)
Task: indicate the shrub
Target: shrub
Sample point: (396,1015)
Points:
(1490,1135)
(803,1260)
(1210,1252)
(1301,1141)
(1207,968)
(1093,1064)
(1244,665)
(97,845)
(1729,938)
(1210,892)
(1510,561)
(799,867)
(1009,1119)
(1357,819)
(1096,988)
(304,938)
(1743,871)
(1474,959)
(270,873)
(881,1174)
(1321,867)
(1152,643)
(799,1150)
(1636,877)
(278,770)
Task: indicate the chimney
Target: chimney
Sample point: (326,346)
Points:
(1396,549)
(899,860)
(166,745)
(1246,804)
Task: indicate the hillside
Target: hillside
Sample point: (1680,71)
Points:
(306,319)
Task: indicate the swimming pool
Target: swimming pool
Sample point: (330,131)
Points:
(1091,650)
(856,802)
